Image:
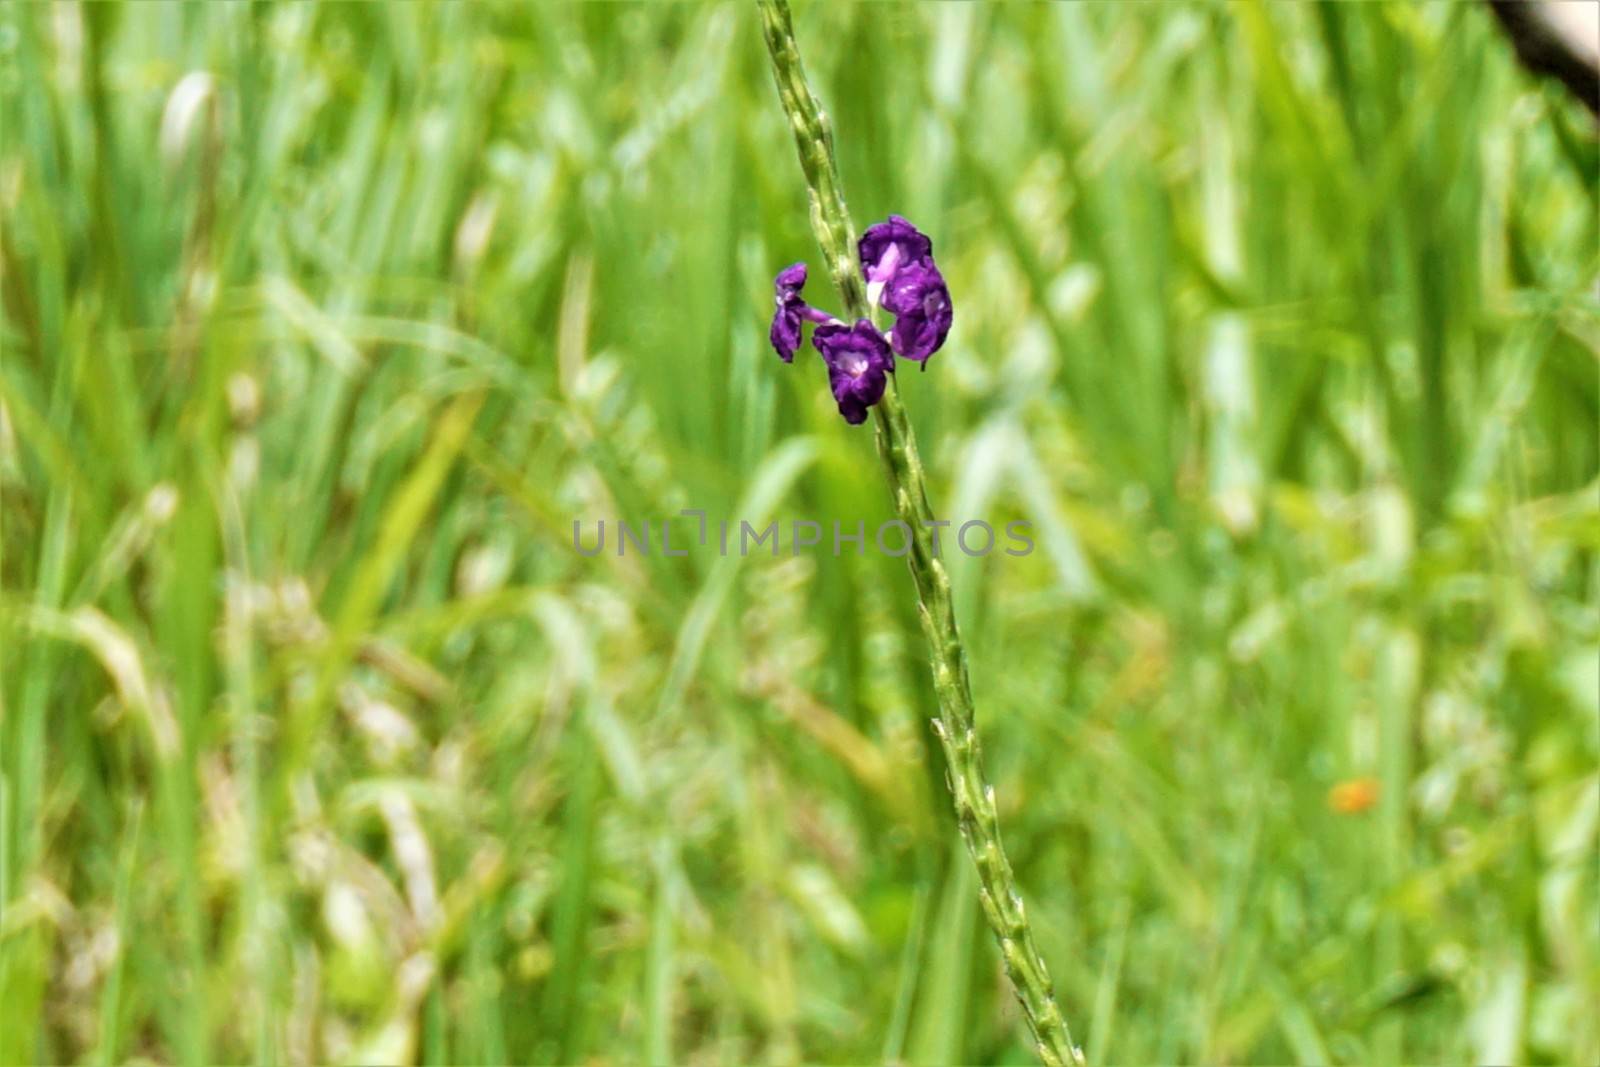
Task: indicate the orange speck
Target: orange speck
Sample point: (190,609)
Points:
(1353,796)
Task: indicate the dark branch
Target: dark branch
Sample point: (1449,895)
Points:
(1548,46)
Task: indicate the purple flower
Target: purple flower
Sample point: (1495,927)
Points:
(786,320)
(859,362)
(897,259)
(920,303)
(902,278)
(790,312)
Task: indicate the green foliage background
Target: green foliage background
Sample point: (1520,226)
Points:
(319,742)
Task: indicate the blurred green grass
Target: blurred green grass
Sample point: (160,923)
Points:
(318,742)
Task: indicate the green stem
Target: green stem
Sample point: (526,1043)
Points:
(897,445)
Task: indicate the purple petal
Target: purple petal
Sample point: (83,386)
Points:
(790,281)
(785,333)
(920,302)
(889,244)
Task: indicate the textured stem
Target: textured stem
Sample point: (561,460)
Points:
(897,445)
